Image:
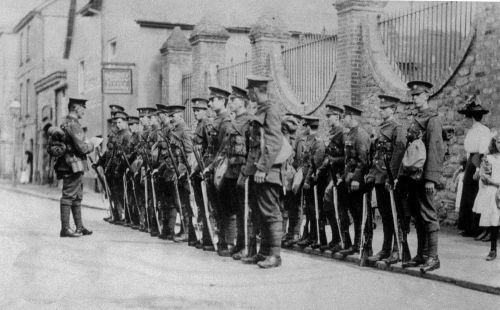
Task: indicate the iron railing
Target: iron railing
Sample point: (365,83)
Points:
(424,42)
(187,85)
(233,74)
(310,68)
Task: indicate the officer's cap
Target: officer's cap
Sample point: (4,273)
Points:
(133,120)
(218,92)
(161,108)
(350,110)
(387,101)
(297,116)
(310,120)
(418,87)
(199,103)
(239,92)
(172,109)
(120,115)
(115,108)
(257,80)
(332,109)
(78,101)
(146,111)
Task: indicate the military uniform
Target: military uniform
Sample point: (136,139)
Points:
(70,168)
(389,147)
(357,152)
(133,177)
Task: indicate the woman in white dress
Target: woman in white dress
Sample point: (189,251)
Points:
(486,200)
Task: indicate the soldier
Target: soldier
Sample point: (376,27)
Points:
(390,146)
(142,163)
(133,195)
(314,184)
(217,134)
(235,150)
(200,138)
(333,166)
(292,210)
(352,187)
(267,153)
(153,153)
(71,166)
(120,145)
(426,125)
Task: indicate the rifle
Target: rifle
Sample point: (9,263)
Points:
(146,171)
(336,204)
(104,185)
(205,198)
(363,224)
(316,208)
(129,168)
(176,182)
(125,198)
(402,241)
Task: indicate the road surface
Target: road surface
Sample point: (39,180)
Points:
(119,268)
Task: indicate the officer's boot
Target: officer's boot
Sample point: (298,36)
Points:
(76,209)
(432,262)
(66,231)
(274,234)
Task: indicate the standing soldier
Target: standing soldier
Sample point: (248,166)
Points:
(217,134)
(352,187)
(235,150)
(333,165)
(120,147)
(390,146)
(200,139)
(314,184)
(71,166)
(291,207)
(153,154)
(427,124)
(133,196)
(266,155)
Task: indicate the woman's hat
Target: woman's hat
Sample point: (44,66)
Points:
(473,107)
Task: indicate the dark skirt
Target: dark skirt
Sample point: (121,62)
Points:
(468,221)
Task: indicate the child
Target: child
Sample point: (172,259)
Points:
(485,203)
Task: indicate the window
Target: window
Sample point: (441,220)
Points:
(81,76)
(112,50)
(28,43)
(27,108)
(21,51)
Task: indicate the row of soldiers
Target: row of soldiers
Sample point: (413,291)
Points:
(245,174)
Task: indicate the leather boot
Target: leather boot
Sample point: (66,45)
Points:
(431,264)
(393,259)
(270,262)
(491,256)
(252,260)
(414,262)
(293,240)
(83,231)
(66,232)
(181,238)
(379,256)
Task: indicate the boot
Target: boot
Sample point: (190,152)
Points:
(293,240)
(393,259)
(418,260)
(431,264)
(253,259)
(66,232)
(270,262)
(491,256)
(379,256)
(83,231)
(486,238)
(181,238)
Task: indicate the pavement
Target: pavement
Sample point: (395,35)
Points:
(462,259)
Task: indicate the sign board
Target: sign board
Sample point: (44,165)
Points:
(116,81)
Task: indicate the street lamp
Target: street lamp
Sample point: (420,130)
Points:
(15,111)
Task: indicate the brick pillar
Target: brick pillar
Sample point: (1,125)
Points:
(267,36)
(208,40)
(175,62)
(351,14)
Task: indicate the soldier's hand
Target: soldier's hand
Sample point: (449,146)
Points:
(259,177)
(241,181)
(354,186)
(429,187)
(307,186)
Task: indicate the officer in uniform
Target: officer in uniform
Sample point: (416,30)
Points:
(70,168)
(263,167)
(315,154)
(421,197)
(352,187)
(333,166)
(390,146)
(217,134)
(200,139)
(235,150)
